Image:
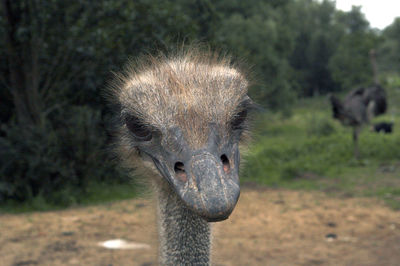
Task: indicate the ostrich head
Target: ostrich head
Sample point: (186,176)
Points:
(182,119)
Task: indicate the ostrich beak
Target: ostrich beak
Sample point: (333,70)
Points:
(208,185)
(212,188)
(205,179)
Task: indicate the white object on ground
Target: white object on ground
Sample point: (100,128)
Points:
(122,244)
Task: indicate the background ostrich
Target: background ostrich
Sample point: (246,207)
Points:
(182,119)
(360,105)
(385,127)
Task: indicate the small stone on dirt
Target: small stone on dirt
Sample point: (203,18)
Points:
(331,224)
(330,237)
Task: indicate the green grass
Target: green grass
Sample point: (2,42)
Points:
(95,194)
(311,151)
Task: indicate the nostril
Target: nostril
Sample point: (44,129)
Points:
(179,167)
(225,163)
(180,171)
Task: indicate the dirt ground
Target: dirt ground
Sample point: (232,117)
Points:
(268,227)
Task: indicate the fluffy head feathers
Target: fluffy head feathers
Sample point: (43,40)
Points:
(189,90)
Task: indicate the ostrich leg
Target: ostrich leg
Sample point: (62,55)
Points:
(356,131)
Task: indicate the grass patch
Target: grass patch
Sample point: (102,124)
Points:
(96,193)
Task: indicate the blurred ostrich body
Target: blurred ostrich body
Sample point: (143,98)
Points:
(360,105)
(182,119)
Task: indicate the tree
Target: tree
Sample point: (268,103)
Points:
(264,41)
(389,50)
(315,35)
(350,65)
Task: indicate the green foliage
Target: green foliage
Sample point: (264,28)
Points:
(350,65)
(265,49)
(316,36)
(389,50)
(56,163)
(392,81)
(353,21)
(320,125)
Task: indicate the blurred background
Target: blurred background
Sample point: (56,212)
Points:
(56,58)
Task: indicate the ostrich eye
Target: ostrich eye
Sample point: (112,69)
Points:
(237,122)
(137,128)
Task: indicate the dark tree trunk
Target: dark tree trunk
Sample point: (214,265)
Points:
(23,66)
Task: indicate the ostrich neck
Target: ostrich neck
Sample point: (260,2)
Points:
(184,236)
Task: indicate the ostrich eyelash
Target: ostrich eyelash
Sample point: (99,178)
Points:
(239,119)
(137,128)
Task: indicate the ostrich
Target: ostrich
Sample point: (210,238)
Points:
(182,120)
(360,105)
(385,127)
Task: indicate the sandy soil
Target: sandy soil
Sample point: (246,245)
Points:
(268,227)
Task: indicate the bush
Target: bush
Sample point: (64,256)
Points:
(56,161)
(320,126)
